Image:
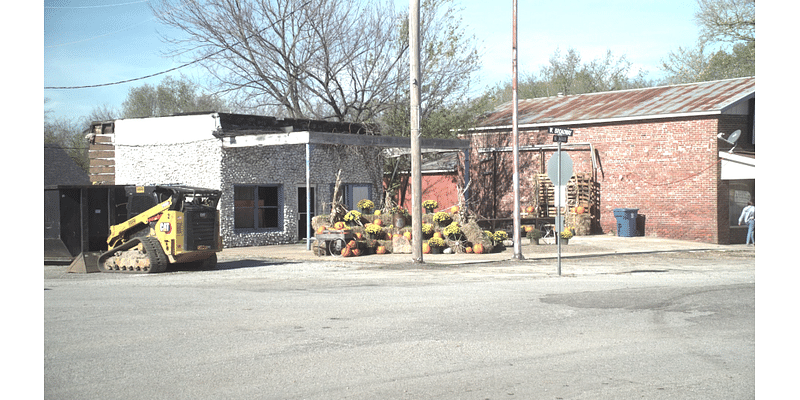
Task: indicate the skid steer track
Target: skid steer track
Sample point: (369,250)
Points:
(138,255)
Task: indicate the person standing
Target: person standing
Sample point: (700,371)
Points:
(749,217)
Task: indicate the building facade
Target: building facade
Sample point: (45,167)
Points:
(659,150)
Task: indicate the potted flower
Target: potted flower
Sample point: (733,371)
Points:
(399,215)
(566,235)
(427,229)
(430,205)
(353,216)
(442,218)
(366,206)
(452,231)
(498,237)
(534,235)
(373,231)
(436,244)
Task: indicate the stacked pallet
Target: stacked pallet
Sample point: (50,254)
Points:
(582,191)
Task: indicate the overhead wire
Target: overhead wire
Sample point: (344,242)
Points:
(170,69)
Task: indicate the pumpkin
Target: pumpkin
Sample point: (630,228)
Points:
(438,235)
(339,225)
(407,234)
(529,209)
(352,244)
(356,252)
(468,249)
(454,209)
(380,250)
(359,236)
(477,248)
(377,222)
(347,251)
(579,210)
(426,248)
(321,229)
(528,228)
(377,212)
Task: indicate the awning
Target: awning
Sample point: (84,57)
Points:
(735,166)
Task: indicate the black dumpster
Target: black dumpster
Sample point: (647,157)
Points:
(626,221)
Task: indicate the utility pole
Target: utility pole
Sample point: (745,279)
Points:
(416,153)
(515,134)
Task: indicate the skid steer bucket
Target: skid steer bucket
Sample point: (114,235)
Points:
(85,263)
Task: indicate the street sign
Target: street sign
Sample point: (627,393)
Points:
(560,131)
(565,161)
(560,139)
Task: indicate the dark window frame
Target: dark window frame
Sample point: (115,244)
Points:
(258,207)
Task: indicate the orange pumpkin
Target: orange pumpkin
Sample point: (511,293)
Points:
(579,210)
(339,225)
(380,250)
(407,234)
(438,235)
(454,209)
(321,229)
(377,221)
(477,248)
(529,209)
(528,228)
(426,248)
(356,252)
(352,244)
(359,236)
(347,251)
(468,249)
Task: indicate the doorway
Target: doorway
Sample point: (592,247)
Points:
(303,212)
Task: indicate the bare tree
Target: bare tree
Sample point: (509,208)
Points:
(327,59)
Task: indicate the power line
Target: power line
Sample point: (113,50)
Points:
(168,70)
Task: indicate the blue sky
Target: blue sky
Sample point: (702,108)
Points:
(89,42)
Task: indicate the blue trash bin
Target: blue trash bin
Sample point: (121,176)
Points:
(626,221)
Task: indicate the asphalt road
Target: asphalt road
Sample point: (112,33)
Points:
(669,326)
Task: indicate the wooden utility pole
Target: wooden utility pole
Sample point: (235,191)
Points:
(416,153)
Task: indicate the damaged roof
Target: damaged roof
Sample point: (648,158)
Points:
(702,98)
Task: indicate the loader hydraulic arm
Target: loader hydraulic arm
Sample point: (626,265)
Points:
(118,234)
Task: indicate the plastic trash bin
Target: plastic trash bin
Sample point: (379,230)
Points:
(626,221)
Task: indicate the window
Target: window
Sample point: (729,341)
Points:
(355,192)
(258,207)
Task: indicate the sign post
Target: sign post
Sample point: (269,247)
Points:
(563,167)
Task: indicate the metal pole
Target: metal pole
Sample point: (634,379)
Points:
(308,196)
(416,154)
(515,133)
(558,210)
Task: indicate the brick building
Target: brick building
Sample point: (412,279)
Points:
(660,150)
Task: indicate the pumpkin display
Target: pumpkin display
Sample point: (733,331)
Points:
(380,250)
(477,248)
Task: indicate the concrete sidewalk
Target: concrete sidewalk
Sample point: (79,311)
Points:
(579,246)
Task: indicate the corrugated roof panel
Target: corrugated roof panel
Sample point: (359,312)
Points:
(696,98)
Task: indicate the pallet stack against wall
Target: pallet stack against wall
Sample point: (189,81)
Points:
(582,191)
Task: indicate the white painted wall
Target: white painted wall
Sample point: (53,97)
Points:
(165,130)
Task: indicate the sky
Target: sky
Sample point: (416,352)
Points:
(95,42)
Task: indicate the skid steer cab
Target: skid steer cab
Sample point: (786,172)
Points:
(166,225)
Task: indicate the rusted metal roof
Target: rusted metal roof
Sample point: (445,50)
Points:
(703,98)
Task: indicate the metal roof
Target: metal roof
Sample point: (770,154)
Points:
(702,98)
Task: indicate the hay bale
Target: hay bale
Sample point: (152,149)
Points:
(475,235)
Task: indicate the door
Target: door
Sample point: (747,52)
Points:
(303,212)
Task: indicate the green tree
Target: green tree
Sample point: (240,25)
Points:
(171,96)
(566,74)
(725,49)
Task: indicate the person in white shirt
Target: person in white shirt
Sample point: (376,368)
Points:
(749,217)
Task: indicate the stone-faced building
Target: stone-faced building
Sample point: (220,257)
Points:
(274,174)
(662,150)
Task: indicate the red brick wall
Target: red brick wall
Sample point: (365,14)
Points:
(668,169)
(439,187)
